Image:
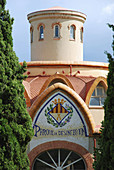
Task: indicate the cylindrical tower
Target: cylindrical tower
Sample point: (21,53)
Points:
(56,35)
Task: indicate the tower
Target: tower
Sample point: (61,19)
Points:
(56,35)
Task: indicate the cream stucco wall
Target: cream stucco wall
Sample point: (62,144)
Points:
(86,68)
(98,114)
(51,49)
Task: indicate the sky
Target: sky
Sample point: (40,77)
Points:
(97,35)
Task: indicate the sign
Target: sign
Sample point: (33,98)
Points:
(41,132)
(59,117)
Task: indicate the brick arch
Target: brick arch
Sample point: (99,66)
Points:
(71,25)
(39,25)
(56,23)
(82,29)
(95,83)
(73,95)
(61,145)
(31,28)
(27,98)
(54,77)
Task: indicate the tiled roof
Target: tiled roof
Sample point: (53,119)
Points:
(33,85)
(80,84)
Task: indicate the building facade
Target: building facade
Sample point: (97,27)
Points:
(64,94)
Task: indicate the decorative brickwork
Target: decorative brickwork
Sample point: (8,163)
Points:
(57,23)
(39,25)
(28,103)
(71,25)
(31,28)
(82,29)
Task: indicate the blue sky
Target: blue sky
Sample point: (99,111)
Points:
(97,35)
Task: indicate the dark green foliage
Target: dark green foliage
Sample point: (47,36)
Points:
(104,156)
(15,123)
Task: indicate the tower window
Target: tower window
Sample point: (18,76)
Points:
(31,33)
(56,28)
(81,34)
(31,36)
(57,31)
(98,96)
(41,32)
(72,32)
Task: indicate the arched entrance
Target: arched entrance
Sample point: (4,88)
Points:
(60,155)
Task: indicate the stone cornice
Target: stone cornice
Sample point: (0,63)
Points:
(63,14)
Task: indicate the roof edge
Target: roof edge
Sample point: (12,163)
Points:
(66,63)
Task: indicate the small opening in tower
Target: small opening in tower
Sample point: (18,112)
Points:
(56,31)
(31,33)
(72,32)
(81,34)
(41,32)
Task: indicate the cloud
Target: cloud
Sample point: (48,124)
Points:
(109,9)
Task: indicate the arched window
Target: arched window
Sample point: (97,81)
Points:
(98,96)
(72,32)
(59,159)
(56,31)
(56,28)
(41,32)
(31,36)
(81,34)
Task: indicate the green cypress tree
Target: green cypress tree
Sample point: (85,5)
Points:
(15,123)
(104,155)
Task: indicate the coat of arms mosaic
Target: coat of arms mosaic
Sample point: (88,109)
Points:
(57,114)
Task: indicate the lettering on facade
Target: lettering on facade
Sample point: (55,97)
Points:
(40,132)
